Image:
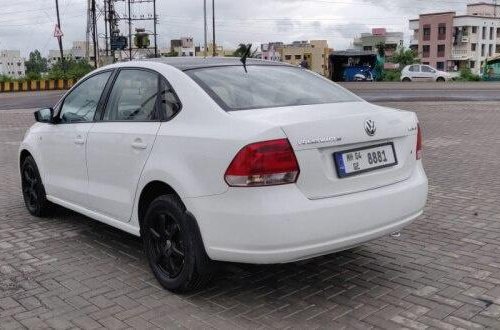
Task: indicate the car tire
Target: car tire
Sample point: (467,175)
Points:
(33,190)
(440,79)
(406,79)
(173,246)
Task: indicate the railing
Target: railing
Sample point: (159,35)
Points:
(36,85)
(460,54)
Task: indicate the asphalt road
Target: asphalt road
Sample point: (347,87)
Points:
(373,92)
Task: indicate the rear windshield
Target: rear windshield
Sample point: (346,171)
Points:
(267,86)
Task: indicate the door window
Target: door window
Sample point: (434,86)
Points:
(428,69)
(414,68)
(81,104)
(134,97)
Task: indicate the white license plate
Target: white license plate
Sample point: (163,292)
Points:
(352,162)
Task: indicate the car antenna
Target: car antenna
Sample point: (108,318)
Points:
(243,59)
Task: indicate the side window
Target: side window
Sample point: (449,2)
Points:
(169,102)
(81,104)
(426,68)
(133,97)
(414,68)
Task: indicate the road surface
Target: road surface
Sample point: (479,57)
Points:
(372,92)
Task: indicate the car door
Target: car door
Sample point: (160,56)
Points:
(414,72)
(63,145)
(120,143)
(428,73)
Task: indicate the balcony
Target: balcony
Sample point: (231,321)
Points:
(460,54)
(465,39)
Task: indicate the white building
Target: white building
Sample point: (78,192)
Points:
(183,46)
(12,64)
(78,51)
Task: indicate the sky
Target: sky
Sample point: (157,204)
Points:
(29,24)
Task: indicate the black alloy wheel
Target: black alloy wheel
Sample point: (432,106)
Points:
(33,189)
(173,246)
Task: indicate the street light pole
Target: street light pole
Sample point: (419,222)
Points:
(60,38)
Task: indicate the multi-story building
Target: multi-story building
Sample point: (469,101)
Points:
(449,42)
(315,52)
(183,46)
(369,42)
(78,51)
(270,51)
(12,64)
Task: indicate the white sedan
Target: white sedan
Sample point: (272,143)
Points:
(422,72)
(209,162)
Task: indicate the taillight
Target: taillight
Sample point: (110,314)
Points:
(420,149)
(265,163)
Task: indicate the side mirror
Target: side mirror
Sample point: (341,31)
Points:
(45,115)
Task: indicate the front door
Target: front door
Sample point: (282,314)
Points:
(120,143)
(63,145)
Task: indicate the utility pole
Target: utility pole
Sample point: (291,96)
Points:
(213,28)
(129,30)
(106,37)
(60,38)
(205,26)
(94,34)
(155,22)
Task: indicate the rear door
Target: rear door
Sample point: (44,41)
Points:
(120,143)
(428,73)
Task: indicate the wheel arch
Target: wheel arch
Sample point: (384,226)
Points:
(150,192)
(23,155)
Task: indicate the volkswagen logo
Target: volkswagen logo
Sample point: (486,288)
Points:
(370,127)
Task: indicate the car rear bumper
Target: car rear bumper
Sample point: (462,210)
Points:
(279,224)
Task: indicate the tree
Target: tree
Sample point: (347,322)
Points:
(381,49)
(73,69)
(36,64)
(404,57)
(242,49)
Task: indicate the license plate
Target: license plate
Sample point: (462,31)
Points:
(357,161)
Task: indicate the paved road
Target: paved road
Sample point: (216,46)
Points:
(373,92)
(68,271)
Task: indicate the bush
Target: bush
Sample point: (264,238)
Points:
(391,75)
(467,75)
(71,69)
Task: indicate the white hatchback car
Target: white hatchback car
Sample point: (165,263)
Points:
(209,162)
(422,72)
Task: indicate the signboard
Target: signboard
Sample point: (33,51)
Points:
(118,43)
(57,32)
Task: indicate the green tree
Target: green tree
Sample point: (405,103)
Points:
(36,65)
(404,57)
(73,69)
(241,50)
(381,49)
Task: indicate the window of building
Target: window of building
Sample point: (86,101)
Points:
(442,31)
(492,33)
(440,66)
(484,32)
(472,64)
(441,49)
(498,32)
(490,50)
(298,57)
(473,47)
(483,50)
(426,50)
(497,49)
(367,48)
(288,57)
(427,32)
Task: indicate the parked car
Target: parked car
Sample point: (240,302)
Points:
(209,163)
(422,72)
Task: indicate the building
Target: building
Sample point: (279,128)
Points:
(219,50)
(78,51)
(448,41)
(315,52)
(370,41)
(12,64)
(183,46)
(270,51)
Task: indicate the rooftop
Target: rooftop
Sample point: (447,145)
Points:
(190,63)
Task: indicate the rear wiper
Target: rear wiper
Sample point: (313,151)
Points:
(243,59)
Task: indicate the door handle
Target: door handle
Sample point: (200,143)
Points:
(79,140)
(138,144)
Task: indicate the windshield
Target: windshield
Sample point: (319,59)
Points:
(267,86)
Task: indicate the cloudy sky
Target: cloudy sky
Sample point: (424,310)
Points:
(29,24)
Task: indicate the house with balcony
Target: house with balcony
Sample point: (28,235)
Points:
(370,41)
(450,42)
